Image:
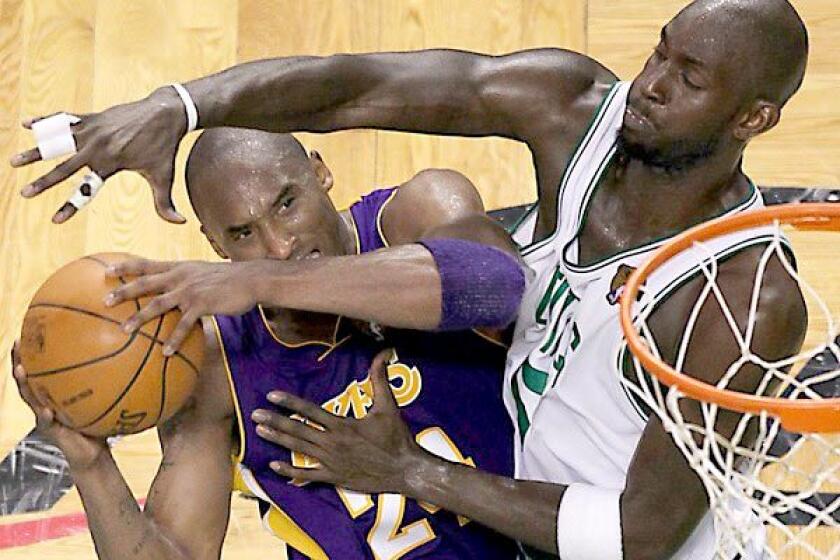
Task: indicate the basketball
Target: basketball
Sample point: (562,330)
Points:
(98,379)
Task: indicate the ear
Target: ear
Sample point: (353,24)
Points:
(762,116)
(325,178)
(216,247)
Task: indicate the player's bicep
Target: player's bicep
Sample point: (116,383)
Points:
(534,90)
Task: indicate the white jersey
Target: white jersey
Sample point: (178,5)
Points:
(575,420)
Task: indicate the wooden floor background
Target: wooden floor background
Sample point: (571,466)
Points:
(85,55)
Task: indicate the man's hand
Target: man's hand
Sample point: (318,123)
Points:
(370,455)
(196,288)
(142,136)
(80,450)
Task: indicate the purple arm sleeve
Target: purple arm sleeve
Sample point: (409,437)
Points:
(481,286)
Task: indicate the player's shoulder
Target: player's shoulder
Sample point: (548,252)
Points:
(432,196)
(779,319)
(438,187)
(556,71)
(556,87)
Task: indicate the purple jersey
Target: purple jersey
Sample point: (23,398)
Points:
(449,388)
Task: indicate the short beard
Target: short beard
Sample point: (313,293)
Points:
(677,158)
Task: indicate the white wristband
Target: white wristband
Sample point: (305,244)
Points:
(589,524)
(189,106)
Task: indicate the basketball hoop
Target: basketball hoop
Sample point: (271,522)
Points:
(761,480)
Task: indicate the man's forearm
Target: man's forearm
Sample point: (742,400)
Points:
(119,528)
(447,284)
(399,287)
(281,94)
(425,91)
(524,510)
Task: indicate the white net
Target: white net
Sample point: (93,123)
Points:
(773,493)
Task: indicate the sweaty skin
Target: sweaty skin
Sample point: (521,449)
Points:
(719,76)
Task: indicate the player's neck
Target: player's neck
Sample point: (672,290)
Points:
(296,327)
(689,195)
(349,239)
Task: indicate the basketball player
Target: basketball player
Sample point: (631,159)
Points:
(259,195)
(620,168)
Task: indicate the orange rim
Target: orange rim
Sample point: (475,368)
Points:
(795,415)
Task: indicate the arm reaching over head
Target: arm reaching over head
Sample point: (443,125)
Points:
(436,91)
(186,513)
(449,266)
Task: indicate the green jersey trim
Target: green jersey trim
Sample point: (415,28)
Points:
(582,145)
(749,199)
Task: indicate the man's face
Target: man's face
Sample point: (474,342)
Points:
(270,211)
(687,99)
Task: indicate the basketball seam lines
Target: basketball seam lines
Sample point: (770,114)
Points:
(115,322)
(121,279)
(162,388)
(133,380)
(92,361)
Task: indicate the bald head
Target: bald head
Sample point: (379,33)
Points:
(222,153)
(766,37)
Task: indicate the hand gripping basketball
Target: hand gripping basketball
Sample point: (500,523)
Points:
(97,379)
(79,450)
(142,136)
(195,288)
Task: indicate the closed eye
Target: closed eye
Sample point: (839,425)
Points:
(687,81)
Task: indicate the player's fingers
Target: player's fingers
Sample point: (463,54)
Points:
(289,442)
(25,158)
(182,330)
(282,424)
(313,475)
(28,122)
(43,414)
(153,284)
(138,267)
(156,307)
(25,390)
(15,353)
(383,396)
(59,173)
(303,407)
(161,183)
(64,213)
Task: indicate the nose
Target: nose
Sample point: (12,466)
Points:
(655,88)
(279,242)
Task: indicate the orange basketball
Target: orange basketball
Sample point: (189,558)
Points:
(98,379)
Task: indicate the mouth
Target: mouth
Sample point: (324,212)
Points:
(315,254)
(635,119)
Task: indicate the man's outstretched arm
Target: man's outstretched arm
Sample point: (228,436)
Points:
(449,266)
(437,91)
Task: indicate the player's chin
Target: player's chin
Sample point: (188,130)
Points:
(637,144)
